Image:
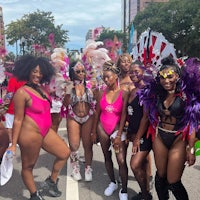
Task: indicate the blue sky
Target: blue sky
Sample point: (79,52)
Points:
(77,16)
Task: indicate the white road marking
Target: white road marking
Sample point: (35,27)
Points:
(62,129)
(72,192)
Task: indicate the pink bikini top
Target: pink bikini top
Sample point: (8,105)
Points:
(110,113)
(39,111)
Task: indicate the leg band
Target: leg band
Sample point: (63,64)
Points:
(161,186)
(179,191)
(74,156)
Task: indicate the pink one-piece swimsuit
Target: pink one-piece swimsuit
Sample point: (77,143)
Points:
(110,113)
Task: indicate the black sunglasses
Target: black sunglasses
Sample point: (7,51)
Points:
(80,71)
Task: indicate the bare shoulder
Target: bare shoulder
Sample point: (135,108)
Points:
(125,93)
(21,93)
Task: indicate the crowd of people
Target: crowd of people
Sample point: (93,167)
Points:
(130,109)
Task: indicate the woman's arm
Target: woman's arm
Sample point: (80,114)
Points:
(97,112)
(190,149)
(66,100)
(144,123)
(19,100)
(123,114)
(117,140)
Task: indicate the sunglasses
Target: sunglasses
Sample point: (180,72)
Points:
(80,71)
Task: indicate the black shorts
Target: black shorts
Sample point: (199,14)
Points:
(145,143)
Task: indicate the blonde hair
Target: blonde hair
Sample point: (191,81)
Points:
(121,57)
(111,66)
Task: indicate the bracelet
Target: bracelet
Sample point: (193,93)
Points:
(191,150)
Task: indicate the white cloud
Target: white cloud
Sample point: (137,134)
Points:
(76,16)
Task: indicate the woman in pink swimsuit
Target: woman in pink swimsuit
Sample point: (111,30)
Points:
(32,124)
(109,121)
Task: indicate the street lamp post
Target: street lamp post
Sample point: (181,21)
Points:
(23,40)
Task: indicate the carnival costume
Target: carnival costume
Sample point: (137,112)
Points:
(135,113)
(87,97)
(185,107)
(110,113)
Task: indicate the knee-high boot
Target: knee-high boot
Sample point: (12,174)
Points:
(179,191)
(161,186)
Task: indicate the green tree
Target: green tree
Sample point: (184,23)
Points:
(107,33)
(177,20)
(36,28)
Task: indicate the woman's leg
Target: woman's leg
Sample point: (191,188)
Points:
(123,168)
(56,119)
(87,145)
(74,137)
(161,160)
(86,140)
(105,142)
(56,146)
(139,166)
(176,161)
(30,144)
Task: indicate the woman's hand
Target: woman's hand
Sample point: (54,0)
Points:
(191,158)
(93,137)
(117,143)
(12,148)
(136,145)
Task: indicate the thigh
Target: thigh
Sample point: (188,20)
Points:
(138,160)
(160,156)
(176,160)
(104,139)
(30,143)
(55,145)
(73,131)
(86,133)
(56,119)
(121,156)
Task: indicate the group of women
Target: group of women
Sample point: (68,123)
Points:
(130,109)
(148,112)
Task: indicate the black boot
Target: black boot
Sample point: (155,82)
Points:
(36,196)
(51,188)
(179,191)
(161,186)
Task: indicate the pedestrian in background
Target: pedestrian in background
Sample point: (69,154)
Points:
(124,62)
(13,86)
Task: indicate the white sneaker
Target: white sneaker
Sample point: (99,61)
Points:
(88,173)
(123,196)
(110,189)
(76,172)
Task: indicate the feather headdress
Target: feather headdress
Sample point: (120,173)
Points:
(60,61)
(94,56)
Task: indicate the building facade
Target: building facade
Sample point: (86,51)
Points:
(2,36)
(93,34)
(130,8)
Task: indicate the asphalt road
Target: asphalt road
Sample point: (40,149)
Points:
(71,190)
